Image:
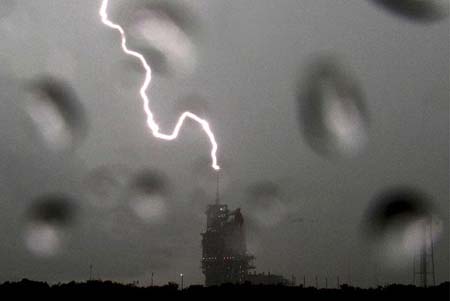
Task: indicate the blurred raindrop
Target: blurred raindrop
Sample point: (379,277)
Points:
(56,112)
(148,195)
(106,185)
(420,10)
(120,224)
(47,225)
(43,240)
(265,206)
(332,115)
(402,224)
(163,31)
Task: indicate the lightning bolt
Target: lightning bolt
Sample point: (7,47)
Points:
(146,102)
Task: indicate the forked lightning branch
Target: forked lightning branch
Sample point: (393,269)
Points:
(143,93)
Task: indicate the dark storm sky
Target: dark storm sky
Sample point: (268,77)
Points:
(250,55)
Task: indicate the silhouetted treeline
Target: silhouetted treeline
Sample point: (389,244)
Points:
(345,292)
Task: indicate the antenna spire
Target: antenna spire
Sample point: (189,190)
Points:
(217,190)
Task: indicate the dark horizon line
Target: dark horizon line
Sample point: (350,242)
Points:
(136,284)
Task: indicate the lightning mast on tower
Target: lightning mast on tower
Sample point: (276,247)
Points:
(217,190)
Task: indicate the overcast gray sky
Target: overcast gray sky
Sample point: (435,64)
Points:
(250,56)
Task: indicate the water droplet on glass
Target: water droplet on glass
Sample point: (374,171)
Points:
(55,112)
(332,113)
(149,207)
(43,239)
(163,32)
(265,205)
(402,225)
(148,195)
(47,225)
(120,224)
(419,10)
(106,185)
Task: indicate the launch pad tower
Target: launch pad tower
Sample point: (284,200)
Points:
(225,258)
